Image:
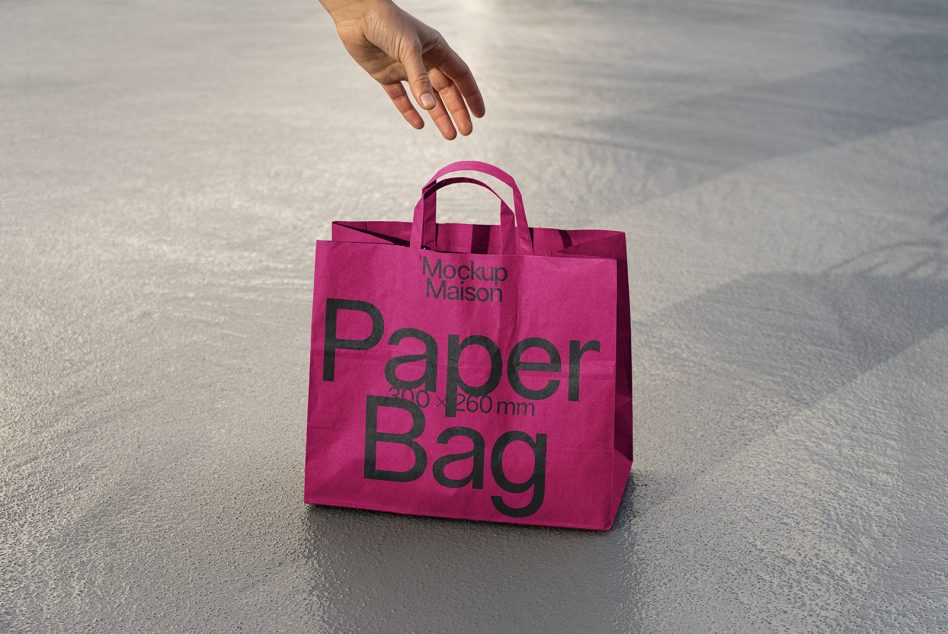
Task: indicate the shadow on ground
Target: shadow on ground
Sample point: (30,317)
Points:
(689,142)
(714,374)
(728,366)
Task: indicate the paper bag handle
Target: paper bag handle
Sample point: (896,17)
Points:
(424,225)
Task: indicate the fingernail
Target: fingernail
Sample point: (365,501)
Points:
(427,100)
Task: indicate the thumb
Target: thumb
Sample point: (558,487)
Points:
(417,76)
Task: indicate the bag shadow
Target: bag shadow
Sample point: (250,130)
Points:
(395,573)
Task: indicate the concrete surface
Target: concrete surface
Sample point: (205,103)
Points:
(781,169)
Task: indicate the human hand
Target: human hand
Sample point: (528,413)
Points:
(393,46)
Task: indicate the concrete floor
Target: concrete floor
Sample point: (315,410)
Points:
(781,169)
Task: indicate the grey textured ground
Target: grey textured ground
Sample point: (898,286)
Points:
(781,169)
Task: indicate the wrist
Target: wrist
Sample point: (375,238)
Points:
(342,11)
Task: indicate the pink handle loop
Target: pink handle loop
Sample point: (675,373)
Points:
(523,240)
(424,227)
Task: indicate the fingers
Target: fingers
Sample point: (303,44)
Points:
(451,97)
(458,72)
(441,119)
(417,76)
(449,100)
(439,113)
(399,97)
(437,90)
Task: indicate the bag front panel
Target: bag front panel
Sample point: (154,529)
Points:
(466,386)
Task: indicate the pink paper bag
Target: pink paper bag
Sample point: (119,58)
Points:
(476,372)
